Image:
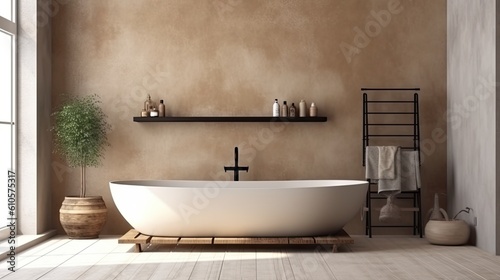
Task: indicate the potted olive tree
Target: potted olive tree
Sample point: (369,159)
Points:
(80,130)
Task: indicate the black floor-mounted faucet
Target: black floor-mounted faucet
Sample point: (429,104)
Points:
(236,169)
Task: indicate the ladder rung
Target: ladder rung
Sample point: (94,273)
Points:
(395,226)
(409,148)
(389,89)
(392,135)
(399,197)
(392,124)
(407,209)
(391,113)
(389,101)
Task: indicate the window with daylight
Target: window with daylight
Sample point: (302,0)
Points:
(8,30)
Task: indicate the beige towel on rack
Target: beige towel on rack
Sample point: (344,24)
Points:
(385,186)
(410,171)
(371,162)
(407,171)
(386,162)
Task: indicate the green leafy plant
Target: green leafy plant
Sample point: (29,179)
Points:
(80,133)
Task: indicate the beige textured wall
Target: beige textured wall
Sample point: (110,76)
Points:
(230,57)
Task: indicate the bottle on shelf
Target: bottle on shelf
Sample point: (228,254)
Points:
(161,109)
(284,109)
(302,108)
(276,108)
(313,111)
(293,111)
(148,104)
(144,113)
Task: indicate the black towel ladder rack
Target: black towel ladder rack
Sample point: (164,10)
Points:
(382,115)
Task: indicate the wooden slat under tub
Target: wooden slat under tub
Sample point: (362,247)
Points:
(135,237)
(164,240)
(195,240)
(301,240)
(129,237)
(251,240)
(340,238)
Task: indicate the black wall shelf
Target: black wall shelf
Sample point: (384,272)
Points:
(230,119)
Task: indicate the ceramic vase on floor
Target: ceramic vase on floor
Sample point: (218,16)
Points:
(83,217)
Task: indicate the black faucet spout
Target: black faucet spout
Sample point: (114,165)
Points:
(236,169)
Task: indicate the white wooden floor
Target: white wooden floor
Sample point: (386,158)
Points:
(376,258)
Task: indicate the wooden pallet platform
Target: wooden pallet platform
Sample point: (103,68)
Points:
(139,239)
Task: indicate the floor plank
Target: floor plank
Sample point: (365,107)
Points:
(73,267)
(308,263)
(178,263)
(209,264)
(108,267)
(136,268)
(20,262)
(271,265)
(152,269)
(38,267)
(381,257)
(239,263)
(106,245)
(73,247)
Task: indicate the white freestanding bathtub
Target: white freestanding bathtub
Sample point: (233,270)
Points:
(238,209)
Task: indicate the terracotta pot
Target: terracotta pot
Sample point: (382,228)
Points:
(83,217)
(453,232)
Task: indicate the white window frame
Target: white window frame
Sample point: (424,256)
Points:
(10,27)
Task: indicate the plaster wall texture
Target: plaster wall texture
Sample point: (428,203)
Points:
(34,153)
(211,58)
(472,107)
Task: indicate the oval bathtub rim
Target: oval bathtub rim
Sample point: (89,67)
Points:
(320,183)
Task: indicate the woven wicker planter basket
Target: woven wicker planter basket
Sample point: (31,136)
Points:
(452,232)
